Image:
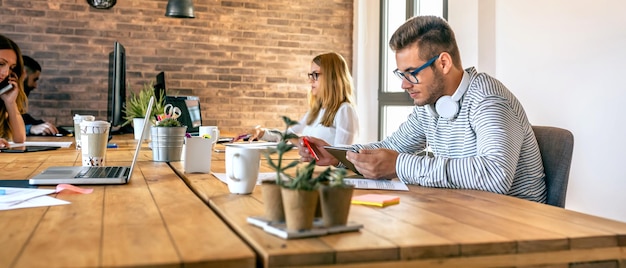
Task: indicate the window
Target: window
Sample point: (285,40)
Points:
(394,105)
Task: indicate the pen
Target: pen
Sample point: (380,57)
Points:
(308,146)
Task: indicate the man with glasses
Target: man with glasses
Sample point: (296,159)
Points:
(475,129)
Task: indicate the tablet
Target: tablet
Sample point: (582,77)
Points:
(29,148)
(340,154)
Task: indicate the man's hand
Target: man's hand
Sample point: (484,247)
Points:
(376,163)
(44,129)
(325,158)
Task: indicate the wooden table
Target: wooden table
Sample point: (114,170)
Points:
(153,221)
(429,228)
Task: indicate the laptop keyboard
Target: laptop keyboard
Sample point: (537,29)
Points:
(100,172)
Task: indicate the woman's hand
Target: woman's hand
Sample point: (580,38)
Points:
(251,135)
(10,96)
(4,143)
(325,158)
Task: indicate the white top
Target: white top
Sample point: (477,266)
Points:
(344,130)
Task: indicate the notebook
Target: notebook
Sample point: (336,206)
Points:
(92,175)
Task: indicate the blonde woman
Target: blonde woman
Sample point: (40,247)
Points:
(331,116)
(13,101)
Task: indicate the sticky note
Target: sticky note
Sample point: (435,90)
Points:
(379,200)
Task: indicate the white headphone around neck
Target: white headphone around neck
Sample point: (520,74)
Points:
(446,106)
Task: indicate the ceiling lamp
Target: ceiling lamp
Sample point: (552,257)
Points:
(179,9)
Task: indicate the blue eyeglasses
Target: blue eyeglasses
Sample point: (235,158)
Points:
(411,76)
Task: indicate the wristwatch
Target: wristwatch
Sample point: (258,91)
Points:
(102,4)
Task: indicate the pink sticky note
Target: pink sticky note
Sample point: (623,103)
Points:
(69,187)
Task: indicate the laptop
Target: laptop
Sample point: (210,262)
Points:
(92,175)
(191,115)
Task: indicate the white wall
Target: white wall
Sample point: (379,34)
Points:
(564,60)
(365,67)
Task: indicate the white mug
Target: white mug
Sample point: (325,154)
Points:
(212,131)
(242,168)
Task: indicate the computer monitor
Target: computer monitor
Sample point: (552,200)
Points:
(117,87)
(191,115)
(159,86)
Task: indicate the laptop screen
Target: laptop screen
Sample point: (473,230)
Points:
(191,115)
(146,123)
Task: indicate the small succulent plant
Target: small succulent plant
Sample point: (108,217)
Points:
(169,122)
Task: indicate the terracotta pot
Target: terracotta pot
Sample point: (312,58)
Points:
(272,202)
(335,203)
(299,208)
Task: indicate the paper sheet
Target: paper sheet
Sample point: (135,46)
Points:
(62,144)
(394,185)
(14,198)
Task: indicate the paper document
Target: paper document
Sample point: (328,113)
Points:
(12,198)
(394,185)
(62,144)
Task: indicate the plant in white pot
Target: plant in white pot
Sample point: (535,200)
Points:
(137,105)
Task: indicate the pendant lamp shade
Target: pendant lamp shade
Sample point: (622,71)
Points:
(179,9)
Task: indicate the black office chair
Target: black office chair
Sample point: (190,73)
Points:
(556,146)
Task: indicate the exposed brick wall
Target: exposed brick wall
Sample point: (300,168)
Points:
(247,60)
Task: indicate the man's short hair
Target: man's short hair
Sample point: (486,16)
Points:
(31,64)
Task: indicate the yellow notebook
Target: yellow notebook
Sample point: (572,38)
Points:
(379,200)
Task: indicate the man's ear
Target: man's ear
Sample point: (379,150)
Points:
(446,63)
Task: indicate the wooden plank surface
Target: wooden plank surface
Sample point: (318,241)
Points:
(430,227)
(153,221)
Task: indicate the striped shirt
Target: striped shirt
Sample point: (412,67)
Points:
(489,146)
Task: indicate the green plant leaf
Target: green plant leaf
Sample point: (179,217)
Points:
(289,122)
(137,103)
(284,147)
(290,136)
(292,164)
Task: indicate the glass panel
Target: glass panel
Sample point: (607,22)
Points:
(393,103)
(431,7)
(393,117)
(396,15)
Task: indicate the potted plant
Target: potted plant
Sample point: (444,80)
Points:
(271,190)
(335,199)
(299,194)
(168,137)
(137,105)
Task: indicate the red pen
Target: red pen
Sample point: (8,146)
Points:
(311,151)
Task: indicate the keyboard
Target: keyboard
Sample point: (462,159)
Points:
(100,172)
